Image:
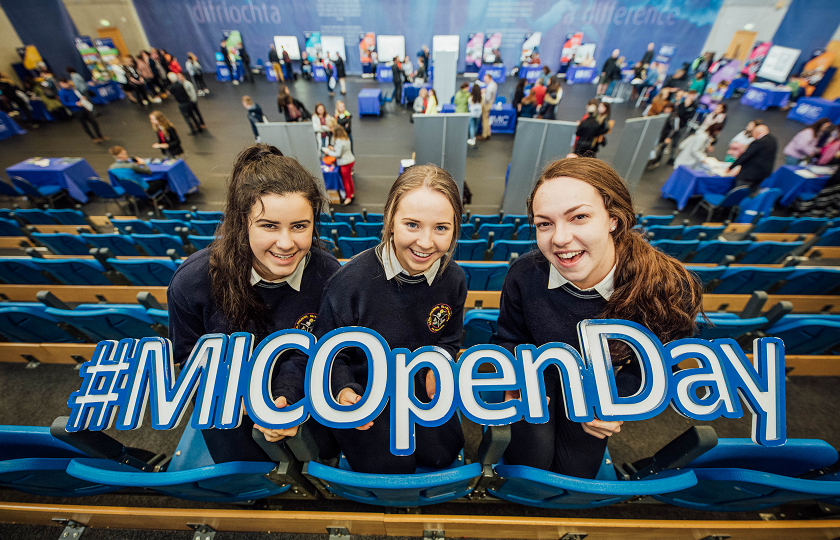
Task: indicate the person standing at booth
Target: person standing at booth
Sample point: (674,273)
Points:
(80,108)
(274,60)
(397,75)
(486,104)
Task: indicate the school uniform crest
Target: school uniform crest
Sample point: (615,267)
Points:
(306,322)
(438,317)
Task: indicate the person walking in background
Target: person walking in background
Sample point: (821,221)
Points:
(519,94)
(305,66)
(293,109)
(78,82)
(80,108)
(397,75)
(343,118)
(486,104)
(226,58)
(340,73)
(196,72)
(246,64)
(475,109)
(610,65)
(274,60)
(345,160)
(168,141)
(255,115)
(287,65)
(184,97)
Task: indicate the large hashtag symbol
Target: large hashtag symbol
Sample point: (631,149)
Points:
(94,406)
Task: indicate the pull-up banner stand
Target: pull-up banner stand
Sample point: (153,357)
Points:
(296,140)
(537,143)
(638,139)
(442,139)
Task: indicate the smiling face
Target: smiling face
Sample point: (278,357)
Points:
(423,229)
(573,230)
(280,234)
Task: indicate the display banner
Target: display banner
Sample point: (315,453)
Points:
(90,56)
(628,25)
(109,54)
(475,52)
(530,48)
(569,51)
(756,58)
(367,45)
(492,45)
(227,375)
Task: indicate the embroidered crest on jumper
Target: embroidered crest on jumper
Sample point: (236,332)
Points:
(438,317)
(306,322)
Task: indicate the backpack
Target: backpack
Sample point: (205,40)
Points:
(294,112)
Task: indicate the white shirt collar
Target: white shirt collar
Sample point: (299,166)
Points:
(393,267)
(292,279)
(604,288)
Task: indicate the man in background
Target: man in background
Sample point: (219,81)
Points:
(757,161)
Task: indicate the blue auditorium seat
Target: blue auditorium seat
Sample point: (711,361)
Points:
(773,224)
(740,475)
(350,247)
(479,326)
(745,280)
(812,281)
(691,233)
(714,251)
(807,225)
(35,216)
(208,215)
(712,202)
(21,271)
(63,243)
(38,194)
(470,250)
(168,226)
(368,229)
(500,232)
(67,216)
(106,191)
(727,327)
(121,245)
(768,252)
(157,245)
(75,271)
(481,219)
(807,336)
(328,243)
(526,232)
(349,218)
(503,249)
(200,242)
(510,219)
(373,217)
(341,228)
(32,325)
(204,227)
(112,323)
(422,488)
(830,237)
(707,274)
(9,227)
(467,231)
(191,474)
(650,221)
(138,225)
(160,316)
(762,203)
(485,276)
(146,272)
(678,249)
(666,232)
(183,215)
(33,461)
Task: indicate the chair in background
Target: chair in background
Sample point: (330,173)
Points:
(183,215)
(666,232)
(168,226)
(21,271)
(658,221)
(693,232)
(768,252)
(75,271)
(485,276)
(23,324)
(479,326)
(368,229)
(67,216)
(9,227)
(34,216)
(715,251)
(678,249)
(158,245)
(713,202)
(762,204)
(500,232)
(503,249)
(745,280)
(135,192)
(470,250)
(120,245)
(812,281)
(63,243)
(106,191)
(200,242)
(350,247)
(38,195)
(110,323)
(146,272)
(772,224)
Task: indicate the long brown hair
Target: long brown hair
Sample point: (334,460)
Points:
(162,121)
(258,170)
(651,288)
(434,178)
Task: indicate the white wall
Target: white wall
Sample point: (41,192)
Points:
(87,14)
(10,42)
(764,15)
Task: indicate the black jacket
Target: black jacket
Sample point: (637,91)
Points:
(171,138)
(757,161)
(587,132)
(339,68)
(396,73)
(272,56)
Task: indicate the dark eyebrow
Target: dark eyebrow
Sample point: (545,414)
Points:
(574,208)
(300,221)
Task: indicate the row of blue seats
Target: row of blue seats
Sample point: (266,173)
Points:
(788,280)
(716,251)
(803,334)
(469,231)
(696,470)
(791,225)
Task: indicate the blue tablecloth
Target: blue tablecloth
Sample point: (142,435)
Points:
(734,85)
(793,185)
(332,178)
(684,183)
(410,92)
(531,73)
(178,176)
(503,120)
(447,108)
(106,92)
(318,73)
(810,109)
(583,75)
(384,73)
(497,71)
(222,73)
(39,111)
(369,101)
(761,98)
(69,173)
(9,127)
(367,67)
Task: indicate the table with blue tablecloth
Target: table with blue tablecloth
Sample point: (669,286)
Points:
(581,75)
(737,84)
(502,118)
(497,71)
(39,111)
(384,73)
(447,108)
(9,127)
(810,109)
(68,173)
(178,176)
(332,177)
(685,183)
(410,92)
(793,185)
(318,73)
(367,67)
(369,101)
(106,92)
(530,73)
(761,96)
